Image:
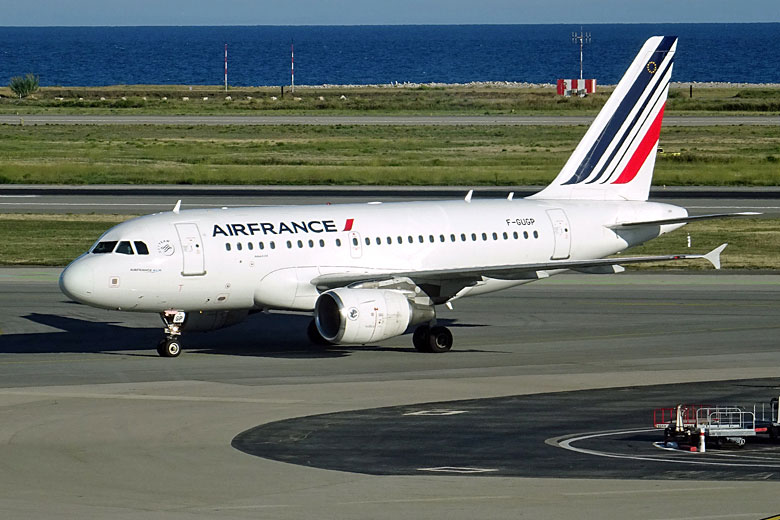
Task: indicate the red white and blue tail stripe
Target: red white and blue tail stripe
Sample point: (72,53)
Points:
(616,157)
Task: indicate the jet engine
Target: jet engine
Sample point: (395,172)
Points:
(212,320)
(362,316)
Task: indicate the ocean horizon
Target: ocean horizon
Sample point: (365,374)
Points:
(377,54)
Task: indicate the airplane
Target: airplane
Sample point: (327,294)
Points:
(369,272)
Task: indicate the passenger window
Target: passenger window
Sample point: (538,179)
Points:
(378,241)
(400,240)
(250,246)
(452,238)
(484,236)
(227,247)
(474,237)
(368,241)
(261,245)
(354,241)
(273,244)
(338,242)
(505,236)
(536,234)
(289,245)
(495,236)
(141,248)
(410,239)
(300,244)
(238,246)
(311,243)
(463,237)
(124,248)
(420,238)
(389,241)
(525,234)
(322,243)
(104,247)
(430,239)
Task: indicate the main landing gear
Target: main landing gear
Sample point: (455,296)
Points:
(170,346)
(434,339)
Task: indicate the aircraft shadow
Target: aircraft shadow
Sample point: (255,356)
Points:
(262,335)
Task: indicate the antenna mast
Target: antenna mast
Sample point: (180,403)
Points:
(582,38)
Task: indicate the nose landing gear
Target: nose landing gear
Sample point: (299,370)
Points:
(170,346)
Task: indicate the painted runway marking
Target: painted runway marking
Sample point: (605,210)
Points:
(456,469)
(437,412)
(685,457)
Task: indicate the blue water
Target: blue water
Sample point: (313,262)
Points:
(260,55)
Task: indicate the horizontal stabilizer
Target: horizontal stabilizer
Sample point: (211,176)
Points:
(681,220)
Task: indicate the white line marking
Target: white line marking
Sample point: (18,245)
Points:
(436,412)
(567,445)
(141,397)
(455,469)
(647,491)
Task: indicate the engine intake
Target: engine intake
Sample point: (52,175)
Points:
(362,316)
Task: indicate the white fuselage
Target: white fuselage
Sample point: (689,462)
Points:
(267,257)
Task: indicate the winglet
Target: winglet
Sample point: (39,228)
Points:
(468,196)
(713,256)
(177,207)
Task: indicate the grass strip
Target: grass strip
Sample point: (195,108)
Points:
(356,154)
(340,100)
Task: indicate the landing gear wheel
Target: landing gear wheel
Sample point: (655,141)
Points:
(439,339)
(420,338)
(169,348)
(314,335)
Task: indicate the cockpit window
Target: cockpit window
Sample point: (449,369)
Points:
(141,248)
(104,247)
(124,248)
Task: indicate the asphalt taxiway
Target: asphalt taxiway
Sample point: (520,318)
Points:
(95,424)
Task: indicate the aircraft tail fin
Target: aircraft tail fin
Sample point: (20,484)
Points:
(616,157)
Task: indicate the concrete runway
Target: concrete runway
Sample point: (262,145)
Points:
(136,200)
(96,425)
(115,119)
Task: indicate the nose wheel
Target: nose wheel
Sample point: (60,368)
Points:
(171,345)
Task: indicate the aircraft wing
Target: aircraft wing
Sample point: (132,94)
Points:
(529,271)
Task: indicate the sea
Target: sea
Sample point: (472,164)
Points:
(385,54)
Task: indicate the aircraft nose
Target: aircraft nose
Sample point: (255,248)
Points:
(77,281)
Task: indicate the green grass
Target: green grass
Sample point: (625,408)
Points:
(58,239)
(160,99)
(373,155)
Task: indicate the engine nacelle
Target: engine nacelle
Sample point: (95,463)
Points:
(212,320)
(365,315)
